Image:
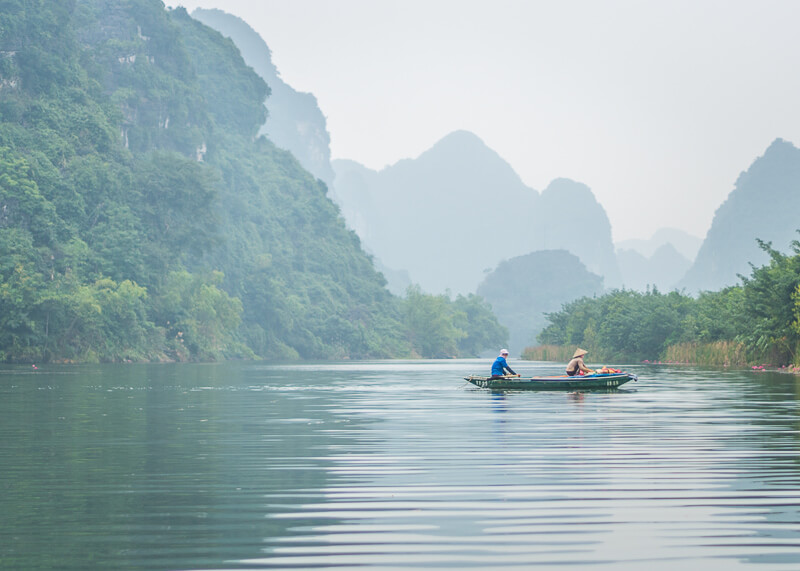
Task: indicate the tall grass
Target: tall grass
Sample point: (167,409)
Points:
(718,353)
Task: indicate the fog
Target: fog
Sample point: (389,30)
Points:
(656,106)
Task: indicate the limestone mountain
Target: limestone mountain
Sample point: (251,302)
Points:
(141,215)
(763,205)
(445,216)
(521,290)
(686,244)
(294,121)
(452,214)
(569,217)
(662,270)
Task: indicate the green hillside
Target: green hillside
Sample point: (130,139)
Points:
(141,217)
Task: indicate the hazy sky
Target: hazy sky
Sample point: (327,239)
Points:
(656,105)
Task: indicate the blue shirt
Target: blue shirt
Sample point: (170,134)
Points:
(499,366)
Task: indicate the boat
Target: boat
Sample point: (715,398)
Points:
(557,383)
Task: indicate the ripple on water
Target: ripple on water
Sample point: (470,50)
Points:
(398,465)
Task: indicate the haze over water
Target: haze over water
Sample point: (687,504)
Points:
(394,464)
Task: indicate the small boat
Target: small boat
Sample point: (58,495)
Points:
(559,383)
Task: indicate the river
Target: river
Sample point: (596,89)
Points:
(394,465)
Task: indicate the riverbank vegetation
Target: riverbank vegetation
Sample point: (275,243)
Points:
(754,322)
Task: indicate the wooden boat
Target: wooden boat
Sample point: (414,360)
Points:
(559,383)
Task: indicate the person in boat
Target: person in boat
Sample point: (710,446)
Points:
(500,365)
(576,366)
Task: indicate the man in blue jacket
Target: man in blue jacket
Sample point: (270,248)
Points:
(500,366)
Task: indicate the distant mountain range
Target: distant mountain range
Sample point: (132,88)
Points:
(685,244)
(452,214)
(449,217)
(662,270)
(446,218)
(659,262)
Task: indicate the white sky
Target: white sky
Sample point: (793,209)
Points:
(656,105)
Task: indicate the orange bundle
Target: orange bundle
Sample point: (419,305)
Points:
(606,370)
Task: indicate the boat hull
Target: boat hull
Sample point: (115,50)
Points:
(577,383)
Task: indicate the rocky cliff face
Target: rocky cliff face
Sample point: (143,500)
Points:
(764,205)
(295,122)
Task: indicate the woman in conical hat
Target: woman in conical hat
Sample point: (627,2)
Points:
(576,365)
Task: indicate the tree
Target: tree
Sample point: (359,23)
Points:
(431,322)
(483,331)
(199,319)
(768,305)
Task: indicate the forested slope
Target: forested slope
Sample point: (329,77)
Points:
(294,120)
(140,215)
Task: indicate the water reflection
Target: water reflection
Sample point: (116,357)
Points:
(618,480)
(394,465)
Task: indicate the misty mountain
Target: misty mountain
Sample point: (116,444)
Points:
(294,120)
(571,218)
(763,204)
(453,213)
(521,290)
(686,244)
(445,216)
(663,269)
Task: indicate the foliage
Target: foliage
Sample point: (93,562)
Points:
(620,324)
(199,319)
(769,306)
(65,320)
(441,328)
(521,293)
(105,320)
(796,310)
(757,321)
(483,330)
(141,218)
(716,316)
(430,320)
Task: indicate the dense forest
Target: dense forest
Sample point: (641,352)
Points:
(142,217)
(755,321)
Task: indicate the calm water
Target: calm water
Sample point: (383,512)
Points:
(394,465)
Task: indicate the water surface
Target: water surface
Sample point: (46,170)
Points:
(394,465)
